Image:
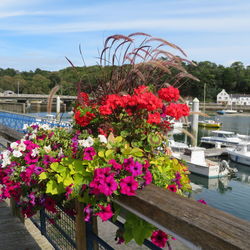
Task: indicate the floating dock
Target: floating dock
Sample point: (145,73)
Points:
(213,152)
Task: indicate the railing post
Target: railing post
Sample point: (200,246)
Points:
(15,210)
(43,221)
(80,227)
(92,228)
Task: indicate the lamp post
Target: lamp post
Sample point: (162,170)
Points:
(18,88)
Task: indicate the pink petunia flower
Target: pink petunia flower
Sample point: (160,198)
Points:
(159,238)
(202,201)
(87,213)
(148,177)
(89,153)
(105,213)
(115,165)
(128,185)
(135,169)
(69,191)
(110,185)
(127,163)
(172,188)
(50,205)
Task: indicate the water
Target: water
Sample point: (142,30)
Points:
(231,195)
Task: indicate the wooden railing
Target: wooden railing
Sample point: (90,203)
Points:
(197,225)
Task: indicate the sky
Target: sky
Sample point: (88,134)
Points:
(40,33)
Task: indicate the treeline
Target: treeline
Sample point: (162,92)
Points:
(234,79)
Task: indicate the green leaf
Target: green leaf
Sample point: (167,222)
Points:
(128,234)
(109,154)
(136,152)
(124,133)
(58,167)
(53,187)
(118,139)
(43,176)
(78,179)
(101,154)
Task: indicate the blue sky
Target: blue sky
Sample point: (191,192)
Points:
(40,33)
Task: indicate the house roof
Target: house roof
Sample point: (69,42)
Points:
(239,95)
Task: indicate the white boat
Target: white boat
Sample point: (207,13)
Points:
(176,146)
(244,137)
(240,154)
(225,138)
(226,111)
(198,164)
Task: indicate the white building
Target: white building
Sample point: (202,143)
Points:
(237,99)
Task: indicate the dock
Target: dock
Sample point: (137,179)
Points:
(215,152)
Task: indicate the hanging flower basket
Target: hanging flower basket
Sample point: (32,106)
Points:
(116,146)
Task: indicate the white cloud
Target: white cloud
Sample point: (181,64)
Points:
(225,55)
(171,24)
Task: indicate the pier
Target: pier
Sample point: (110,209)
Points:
(215,152)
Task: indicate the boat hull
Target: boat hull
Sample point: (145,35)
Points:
(207,125)
(210,172)
(242,159)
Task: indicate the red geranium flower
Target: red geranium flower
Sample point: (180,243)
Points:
(83,120)
(169,94)
(154,118)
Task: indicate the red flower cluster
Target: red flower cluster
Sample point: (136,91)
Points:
(83,120)
(177,110)
(154,118)
(142,99)
(169,94)
(83,98)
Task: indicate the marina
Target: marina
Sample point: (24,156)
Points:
(229,193)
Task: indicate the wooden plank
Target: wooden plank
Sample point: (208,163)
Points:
(80,227)
(9,133)
(196,223)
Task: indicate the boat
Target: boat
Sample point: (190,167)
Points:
(225,138)
(226,111)
(240,154)
(176,146)
(194,157)
(210,124)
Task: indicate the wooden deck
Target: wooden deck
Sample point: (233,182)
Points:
(14,235)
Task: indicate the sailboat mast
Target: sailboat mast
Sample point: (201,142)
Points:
(204,98)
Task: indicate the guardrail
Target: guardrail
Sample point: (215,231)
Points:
(196,225)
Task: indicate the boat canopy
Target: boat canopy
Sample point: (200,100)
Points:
(223,132)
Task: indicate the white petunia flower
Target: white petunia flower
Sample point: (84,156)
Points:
(25,126)
(103,138)
(45,126)
(23,168)
(83,143)
(86,143)
(17,153)
(14,145)
(35,152)
(60,152)
(32,136)
(22,147)
(5,163)
(47,149)
(90,141)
